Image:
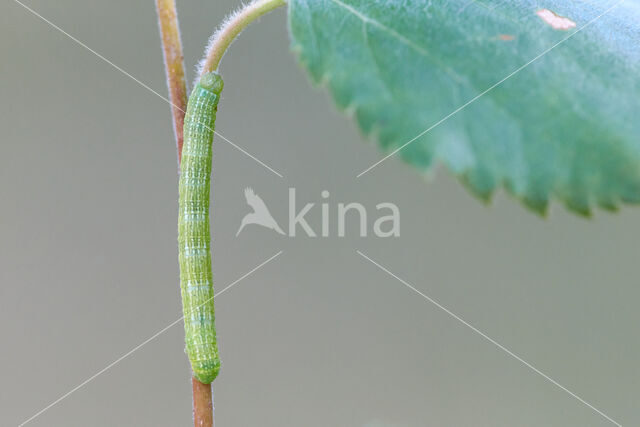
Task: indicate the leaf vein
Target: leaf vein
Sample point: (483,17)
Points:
(383,27)
(422,51)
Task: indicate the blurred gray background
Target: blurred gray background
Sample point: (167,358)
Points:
(317,337)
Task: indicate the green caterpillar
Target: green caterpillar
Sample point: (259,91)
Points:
(194,240)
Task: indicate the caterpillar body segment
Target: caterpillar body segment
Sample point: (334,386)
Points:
(194,240)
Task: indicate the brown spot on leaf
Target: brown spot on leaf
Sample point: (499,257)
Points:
(506,37)
(556,21)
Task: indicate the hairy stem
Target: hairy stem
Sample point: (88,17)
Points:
(174,68)
(231,28)
(173,65)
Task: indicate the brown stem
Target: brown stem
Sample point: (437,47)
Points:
(202,404)
(173,65)
(174,68)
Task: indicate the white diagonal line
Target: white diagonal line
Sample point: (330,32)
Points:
(138,81)
(136,348)
(488,338)
(475,98)
(248,154)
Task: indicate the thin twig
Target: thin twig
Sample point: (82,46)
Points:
(202,404)
(173,65)
(174,68)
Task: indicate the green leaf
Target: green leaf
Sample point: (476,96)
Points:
(546,112)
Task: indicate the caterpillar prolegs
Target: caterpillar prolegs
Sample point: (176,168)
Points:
(194,240)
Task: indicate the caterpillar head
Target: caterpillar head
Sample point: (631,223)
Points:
(212,81)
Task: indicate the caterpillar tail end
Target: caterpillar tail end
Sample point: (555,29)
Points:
(206,371)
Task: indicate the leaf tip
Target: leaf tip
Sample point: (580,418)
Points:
(538,205)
